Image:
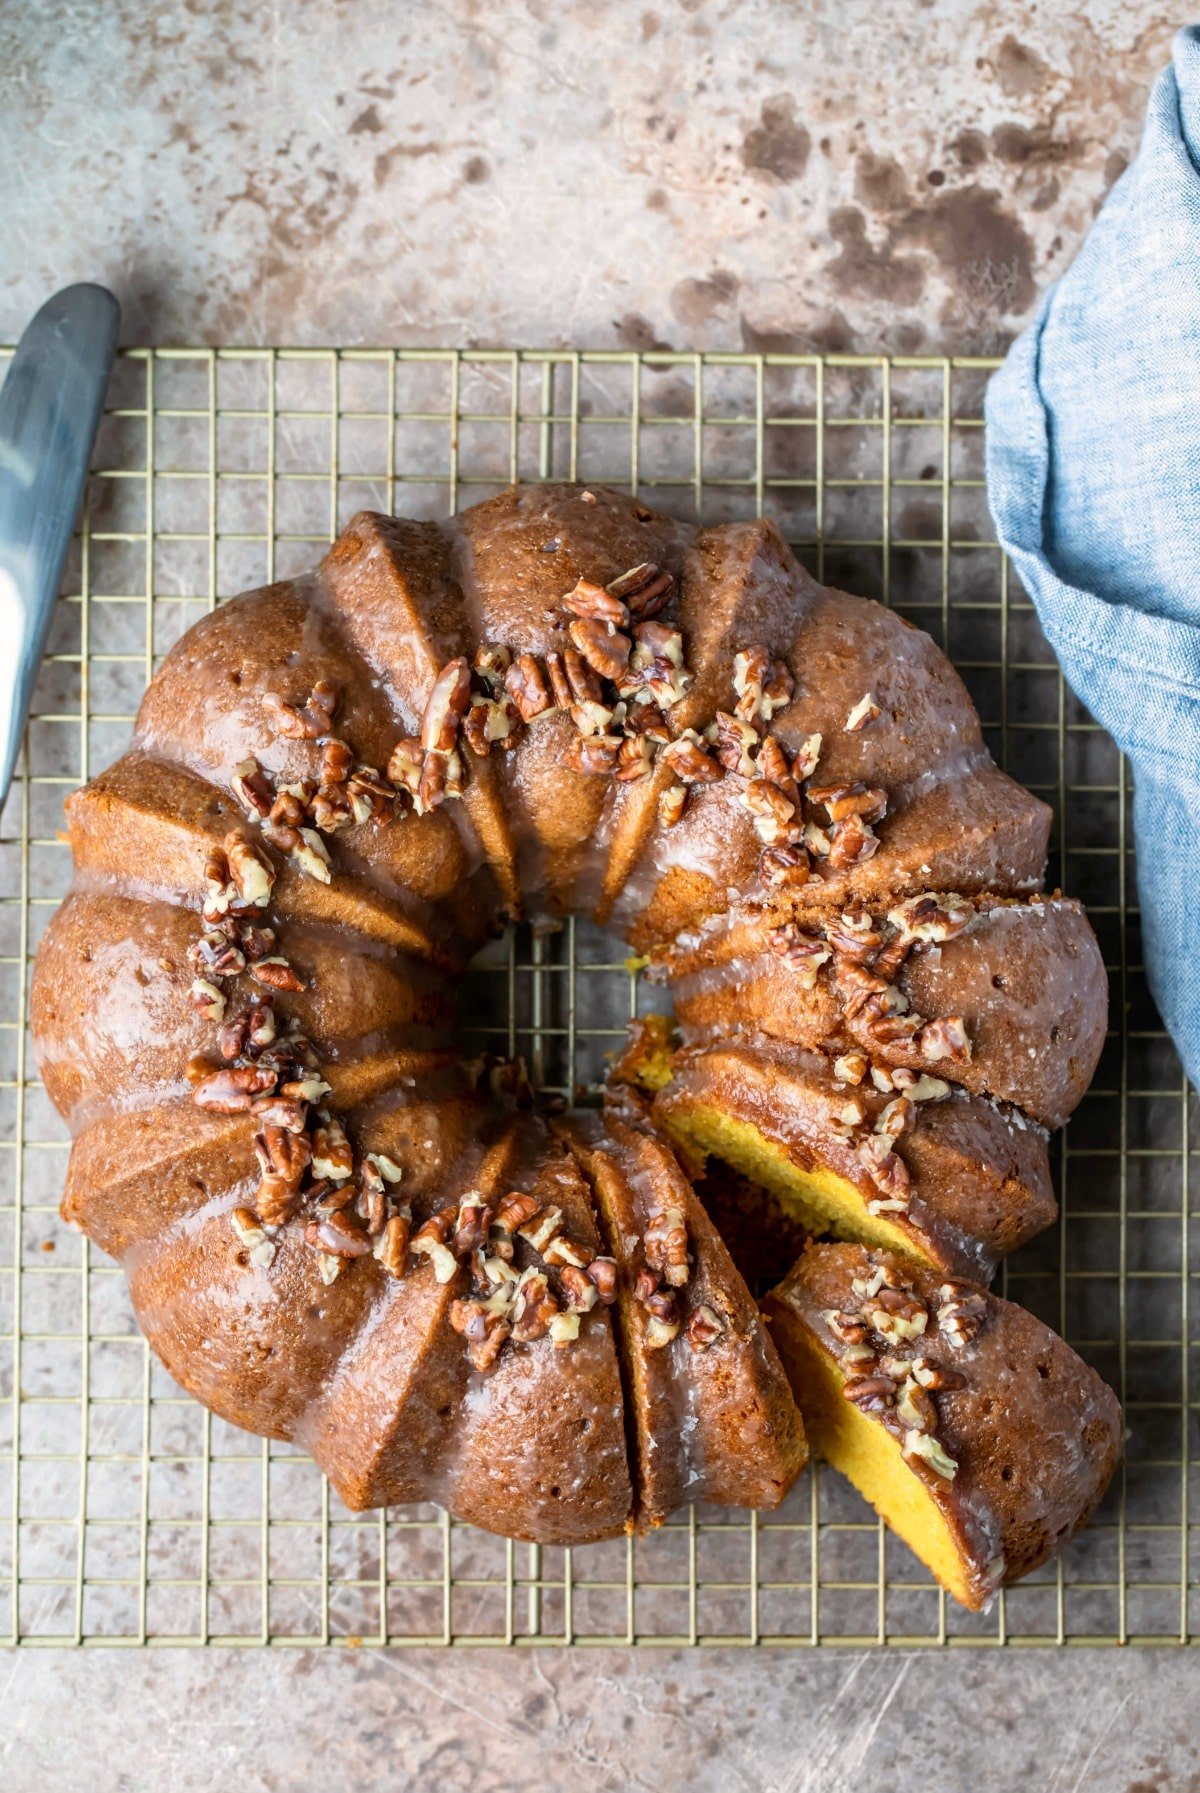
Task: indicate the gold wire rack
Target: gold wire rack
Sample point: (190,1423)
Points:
(128,1515)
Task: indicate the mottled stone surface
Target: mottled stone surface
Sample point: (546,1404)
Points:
(714,1722)
(737,174)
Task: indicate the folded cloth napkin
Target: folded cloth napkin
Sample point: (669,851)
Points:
(1093,465)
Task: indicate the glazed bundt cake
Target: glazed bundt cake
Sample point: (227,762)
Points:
(339,1230)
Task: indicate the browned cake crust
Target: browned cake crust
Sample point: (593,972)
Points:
(1031,1432)
(558,702)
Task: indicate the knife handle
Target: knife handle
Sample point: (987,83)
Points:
(50,409)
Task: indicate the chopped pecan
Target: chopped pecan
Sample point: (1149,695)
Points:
(340,1234)
(871,1394)
(772,811)
(253,789)
(275,973)
(593,718)
(851,1067)
(783,865)
(579,1289)
(391,1247)
(672,803)
(592,603)
(594,755)
(404,765)
(930,917)
(646,588)
(472,1225)
(888,1028)
(283,1154)
(763,685)
(249,1231)
(430,1240)
(446,706)
(735,744)
(563,1250)
(332,1156)
(250,870)
(936,1376)
(526,686)
(864,711)
(332,809)
(690,762)
(915,1408)
(372,797)
(534,1308)
(514,1212)
(774,765)
(851,1329)
(583,681)
(603,646)
(491,663)
(232,1090)
(924,1445)
(490,721)
(896,1315)
(804,951)
(483,1328)
(208,999)
(945,1037)
(307,722)
(961,1313)
(891,957)
(842,800)
(312,855)
(705,1327)
(556,672)
(666,1244)
(280,1111)
(635,759)
(894,1117)
(603,1272)
(885,1167)
(337,761)
(851,842)
(541,1228)
(806,757)
(216,955)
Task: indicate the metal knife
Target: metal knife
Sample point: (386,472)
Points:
(50,409)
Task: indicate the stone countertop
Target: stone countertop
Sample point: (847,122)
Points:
(744,174)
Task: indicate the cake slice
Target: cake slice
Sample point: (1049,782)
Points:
(711,1412)
(974,1431)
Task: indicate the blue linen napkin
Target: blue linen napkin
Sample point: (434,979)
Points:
(1093,466)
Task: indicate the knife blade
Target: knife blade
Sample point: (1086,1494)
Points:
(50,409)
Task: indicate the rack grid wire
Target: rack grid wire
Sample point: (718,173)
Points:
(129,1515)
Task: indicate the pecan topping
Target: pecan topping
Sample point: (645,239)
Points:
(886,1169)
(483,1328)
(217,955)
(915,1408)
(930,917)
(446,706)
(851,1329)
(430,1240)
(311,855)
(772,811)
(231,1091)
(785,864)
(671,804)
(635,759)
(666,1243)
(331,1153)
(307,722)
(253,1236)
(541,1228)
(275,973)
(945,1038)
(391,1247)
(471,1229)
(331,811)
(514,1212)
(594,755)
(872,1394)
(208,998)
(404,765)
(924,1446)
(592,603)
(936,1375)
(564,1251)
(842,800)
(556,672)
(339,1234)
(806,757)
(763,685)
(690,762)
(774,765)
(489,721)
(526,686)
(534,1308)
(646,588)
(252,788)
(337,761)
(736,742)
(961,1313)
(250,870)
(864,711)
(851,1067)
(804,951)
(851,842)
(580,1291)
(704,1328)
(603,1272)
(895,1315)
(282,1154)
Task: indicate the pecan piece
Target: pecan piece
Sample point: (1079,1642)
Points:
(945,1037)
(275,973)
(526,686)
(736,741)
(842,800)
(635,758)
(603,1272)
(871,1394)
(391,1247)
(783,865)
(534,1308)
(604,647)
(556,672)
(864,711)
(704,1328)
(253,790)
(231,1091)
(672,803)
(208,999)
(489,721)
(472,1226)
(582,680)
(332,1156)
(594,755)
(581,1292)
(250,870)
(340,1234)
(690,761)
(514,1212)
(851,842)
(483,1328)
(592,603)
(446,706)
(404,765)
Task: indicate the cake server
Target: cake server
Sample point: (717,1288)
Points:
(50,409)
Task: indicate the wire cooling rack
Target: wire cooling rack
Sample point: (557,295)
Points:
(128,1515)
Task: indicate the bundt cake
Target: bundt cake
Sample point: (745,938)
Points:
(336,1228)
(972,1429)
